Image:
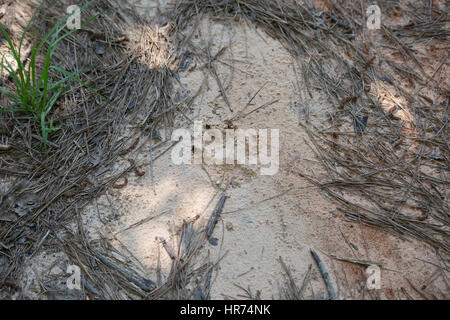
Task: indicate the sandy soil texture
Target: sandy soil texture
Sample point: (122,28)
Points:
(264,217)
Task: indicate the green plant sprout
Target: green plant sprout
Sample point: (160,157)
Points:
(36,94)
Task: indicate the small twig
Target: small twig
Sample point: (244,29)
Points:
(215,215)
(143,283)
(140,222)
(291,284)
(260,107)
(168,249)
(5,147)
(356,261)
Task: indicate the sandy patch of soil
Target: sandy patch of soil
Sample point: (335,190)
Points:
(265,217)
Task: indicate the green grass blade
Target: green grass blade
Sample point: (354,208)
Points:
(17,82)
(44,130)
(82,25)
(52,101)
(29,25)
(60,25)
(73,77)
(15,55)
(11,95)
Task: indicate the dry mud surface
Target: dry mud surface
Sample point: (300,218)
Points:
(264,217)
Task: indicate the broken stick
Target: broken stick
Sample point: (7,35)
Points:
(168,248)
(325,275)
(143,283)
(356,261)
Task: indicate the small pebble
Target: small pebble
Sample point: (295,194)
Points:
(213,241)
(99,49)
